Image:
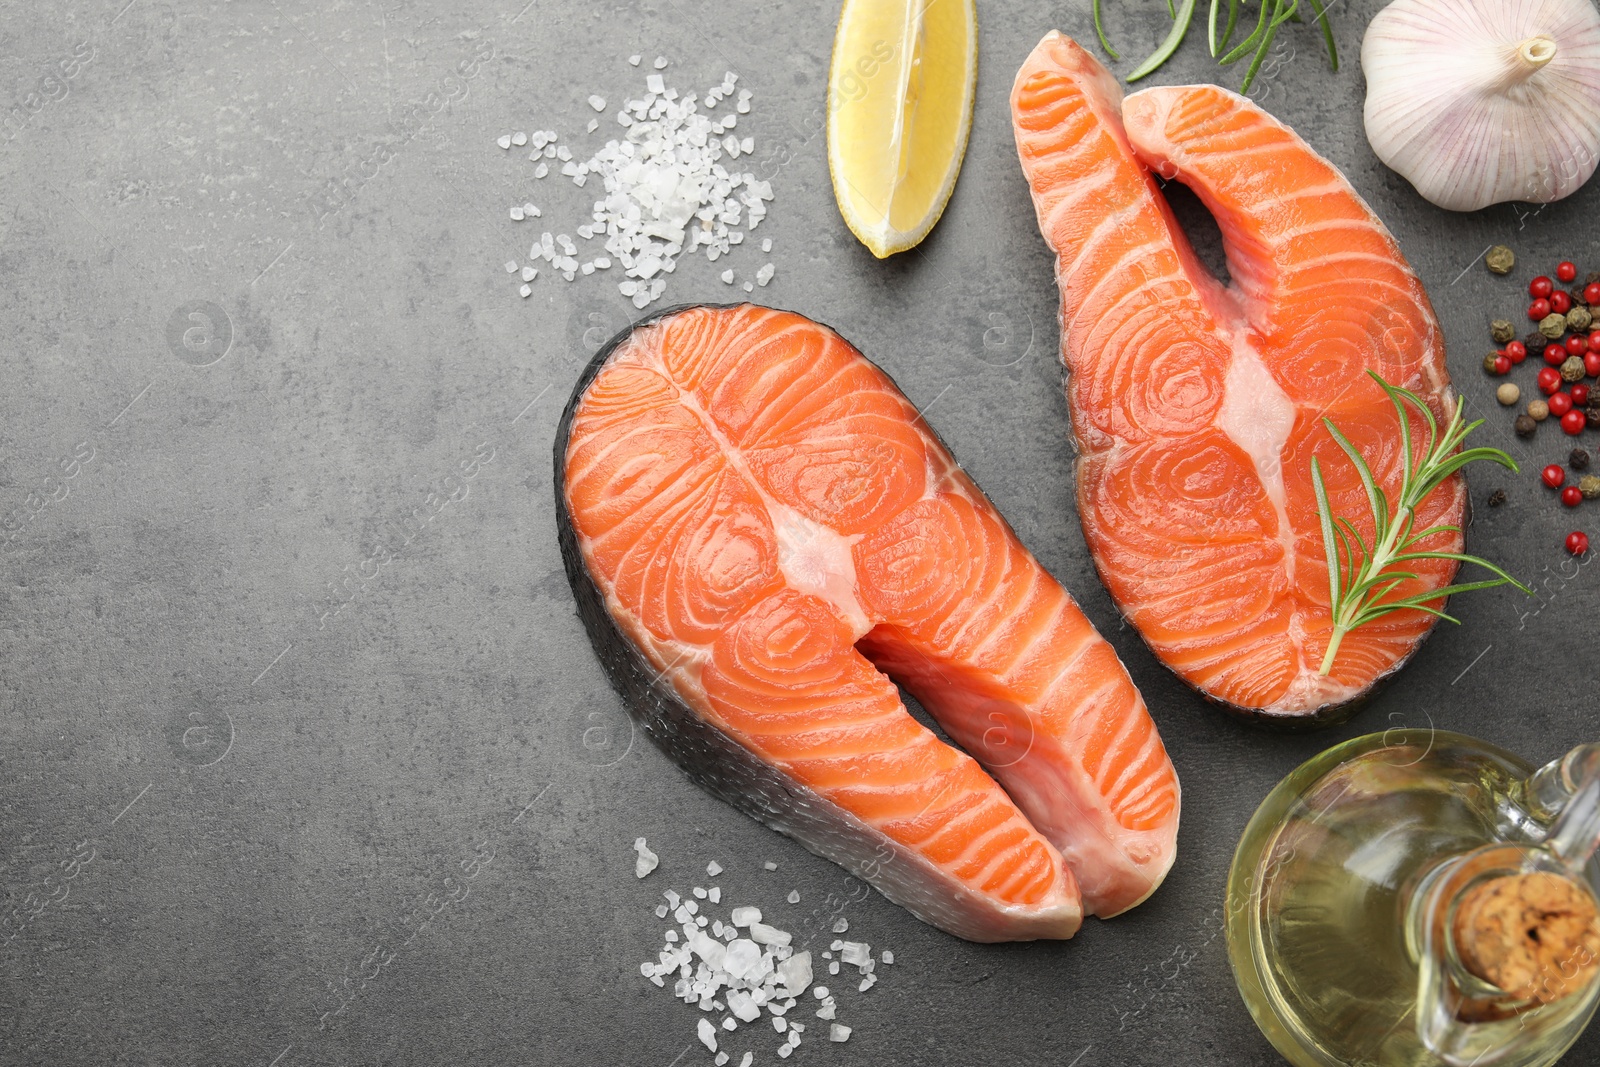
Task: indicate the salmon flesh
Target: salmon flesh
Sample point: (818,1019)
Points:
(1197,407)
(761,532)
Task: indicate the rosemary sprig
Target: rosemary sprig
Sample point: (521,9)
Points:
(1273,14)
(1358,596)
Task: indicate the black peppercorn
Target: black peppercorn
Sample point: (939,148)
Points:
(1525,426)
(1535,342)
(1579,460)
(1497,498)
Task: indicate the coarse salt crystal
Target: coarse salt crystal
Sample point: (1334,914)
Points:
(749,287)
(749,1058)
(528,275)
(841,924)
(769,865)
(713,868)
(779,1023)
(714,894)
(820,992)
(516,214)
(722,1058)
(766,244)
(727,276)
(708,1034)
(504,141)
(794,896)
(594,124)
(661,62)
(519,139)
(541,170)
(838,1033)
(763,276)
(887,956)
(833,968)
(746,915)
(785,1051)
(511,266)
(769,935)
(699,892)
(527,291)
(743,1005)
(655,84)
(597,102)
(531,210)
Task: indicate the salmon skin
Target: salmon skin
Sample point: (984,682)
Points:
(1197,407)
(757,525)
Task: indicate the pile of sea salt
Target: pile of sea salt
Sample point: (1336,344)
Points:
(740,967)
(667,191)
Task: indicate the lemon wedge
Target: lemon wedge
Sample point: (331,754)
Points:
(900,91)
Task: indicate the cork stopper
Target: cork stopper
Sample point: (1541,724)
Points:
(1536,935)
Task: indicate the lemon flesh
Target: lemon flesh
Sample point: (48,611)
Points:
(900,91)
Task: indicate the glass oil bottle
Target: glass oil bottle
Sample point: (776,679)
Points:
(1384,887)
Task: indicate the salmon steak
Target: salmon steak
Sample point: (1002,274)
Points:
(1197,406)
(761,532)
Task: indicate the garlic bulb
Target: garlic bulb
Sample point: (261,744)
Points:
(1476,102)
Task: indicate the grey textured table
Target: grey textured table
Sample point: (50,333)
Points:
(227,812)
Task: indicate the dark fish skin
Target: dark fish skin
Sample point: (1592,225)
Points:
(725,768)
(710,757)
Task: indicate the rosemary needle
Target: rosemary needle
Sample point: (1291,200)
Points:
(1327,32)
(1100,31)
(1360,575)
(1273,14)
(1180,26)
(1233,20)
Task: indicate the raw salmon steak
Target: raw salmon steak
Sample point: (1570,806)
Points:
(1197,406)
(761,532)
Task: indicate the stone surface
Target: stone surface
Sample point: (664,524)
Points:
(303,802)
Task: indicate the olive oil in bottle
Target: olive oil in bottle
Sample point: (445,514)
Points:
(1348,929)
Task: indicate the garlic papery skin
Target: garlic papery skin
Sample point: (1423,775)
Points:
(1477,102)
